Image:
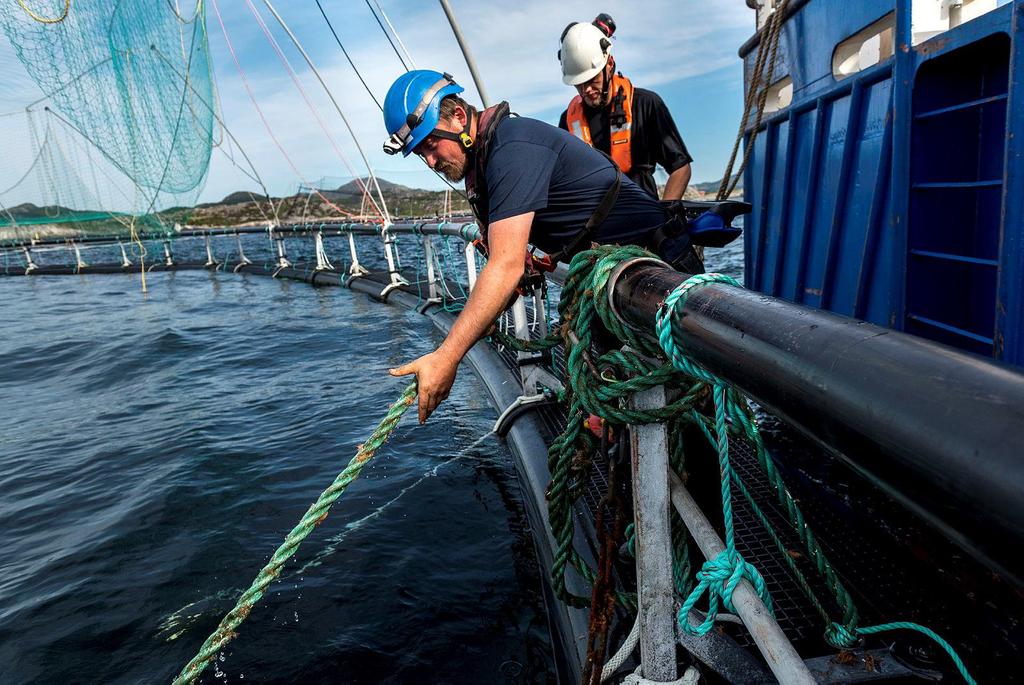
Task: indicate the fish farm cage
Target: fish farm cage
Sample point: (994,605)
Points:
(874,477)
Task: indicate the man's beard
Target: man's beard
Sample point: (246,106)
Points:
(453,171)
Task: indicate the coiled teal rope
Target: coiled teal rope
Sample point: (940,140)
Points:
(313,517)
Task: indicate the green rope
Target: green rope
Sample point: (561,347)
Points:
(313,517)
(844,635)
(603,385)
(719,577)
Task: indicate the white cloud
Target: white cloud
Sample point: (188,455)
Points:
(515,45)
(657,43)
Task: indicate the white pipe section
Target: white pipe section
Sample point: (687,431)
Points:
(471,265)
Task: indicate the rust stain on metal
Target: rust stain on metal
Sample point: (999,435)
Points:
(930,47)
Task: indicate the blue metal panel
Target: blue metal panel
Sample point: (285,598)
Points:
(785,206)
(774,187)
(852,217)
(1010,294)
(834,171)
(802,234)
(888,195)
(902,90)
(957,139)
(870,302)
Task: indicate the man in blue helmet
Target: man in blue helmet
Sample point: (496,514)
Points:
(528,182)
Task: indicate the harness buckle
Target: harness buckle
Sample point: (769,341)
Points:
(542,263)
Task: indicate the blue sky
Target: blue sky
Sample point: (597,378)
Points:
(686,51)
(683,49)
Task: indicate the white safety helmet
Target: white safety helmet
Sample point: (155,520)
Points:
(583,53)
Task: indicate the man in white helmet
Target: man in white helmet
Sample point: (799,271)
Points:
(632,125)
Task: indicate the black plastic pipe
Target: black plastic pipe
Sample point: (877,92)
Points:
(939,430)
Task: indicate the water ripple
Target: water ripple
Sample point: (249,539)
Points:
(155,449)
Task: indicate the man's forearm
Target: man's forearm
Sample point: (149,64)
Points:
(495,284)
(677,182)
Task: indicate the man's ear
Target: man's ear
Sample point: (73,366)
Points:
(461,117)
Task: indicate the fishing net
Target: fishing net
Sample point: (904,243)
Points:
(110,113)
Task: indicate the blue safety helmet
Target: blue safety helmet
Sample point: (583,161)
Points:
(412,108)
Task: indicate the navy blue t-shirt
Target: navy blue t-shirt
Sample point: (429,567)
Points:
(532,166)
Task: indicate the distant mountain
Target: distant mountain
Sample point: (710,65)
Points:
(355,187)
(241,196)
(711,187)
(245,208)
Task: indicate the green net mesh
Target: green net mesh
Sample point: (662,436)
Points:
(111,121)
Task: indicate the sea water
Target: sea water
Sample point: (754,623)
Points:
(156,448)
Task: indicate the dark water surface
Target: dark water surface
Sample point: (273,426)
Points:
(727,260)
(154,450)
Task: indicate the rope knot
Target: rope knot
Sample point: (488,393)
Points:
(718,578)
(840,636)
(670,311)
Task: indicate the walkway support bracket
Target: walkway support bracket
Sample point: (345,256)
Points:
(650,466)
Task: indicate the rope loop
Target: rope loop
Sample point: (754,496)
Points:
(46,20)
(840,636)
(669,314)
(718,579)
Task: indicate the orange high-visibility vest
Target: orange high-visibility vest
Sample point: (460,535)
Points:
(620,121)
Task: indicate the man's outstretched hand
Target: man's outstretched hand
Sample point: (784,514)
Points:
(435,374)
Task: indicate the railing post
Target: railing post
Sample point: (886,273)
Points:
(168,259)
(282,255)
(389,254)
(356,269)
(242,259)
(428,255)
(540,314)
(470,264)
(653,542)
(30,266)
(79,263)
(521,324)
(322,262)
(210,261)
(125,262)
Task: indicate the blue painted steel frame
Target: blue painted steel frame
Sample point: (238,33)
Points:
(1010,298)
(831,179)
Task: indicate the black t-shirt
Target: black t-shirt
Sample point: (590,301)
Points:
(654,137)
(532,166)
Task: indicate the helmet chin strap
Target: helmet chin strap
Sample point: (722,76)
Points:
(609,71)
(463,137)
